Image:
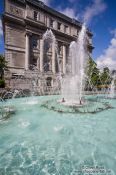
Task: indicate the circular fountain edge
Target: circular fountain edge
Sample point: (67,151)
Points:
(91,107)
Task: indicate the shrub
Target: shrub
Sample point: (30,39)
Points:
(2,83)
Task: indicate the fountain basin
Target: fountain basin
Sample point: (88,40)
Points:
(89,106)
(6,112)
(42,141)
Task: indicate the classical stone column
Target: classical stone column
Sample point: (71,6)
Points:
(38,63)
(64,59)
(48,22)
(38,58)
(53,58)
(27,52)
(55,25)
(62,27)
(41,54)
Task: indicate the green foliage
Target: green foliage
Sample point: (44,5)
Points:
(93,74)
(95,78)
(3,66)
(2,83)
(105,76)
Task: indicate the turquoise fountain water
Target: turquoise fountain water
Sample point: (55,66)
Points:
(36,140)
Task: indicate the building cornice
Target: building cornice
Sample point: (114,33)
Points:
(28,22)
(42,6)
(33,23)
(13,18)
(10,47)
(51,11)
(20,1)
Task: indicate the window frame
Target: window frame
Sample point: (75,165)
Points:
(52,22)
(35,15)
(66,28)
(59,25)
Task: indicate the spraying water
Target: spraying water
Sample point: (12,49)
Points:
(73,82)
(50,42)
(112,88)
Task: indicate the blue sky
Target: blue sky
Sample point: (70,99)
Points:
(1,32)
(101,19)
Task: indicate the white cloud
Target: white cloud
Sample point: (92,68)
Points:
(108,58)
(68,12)
(96,8)
(47,2)
(1,30)
(113,32)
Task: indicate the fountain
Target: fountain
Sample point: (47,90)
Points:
(49,39)
(49,43)
(72,98)
(73,82)
(112,88)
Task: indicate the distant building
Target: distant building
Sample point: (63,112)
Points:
(25,22)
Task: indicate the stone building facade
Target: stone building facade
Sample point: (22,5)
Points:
(25,22)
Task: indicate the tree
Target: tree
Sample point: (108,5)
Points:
(105,76)
(3,66)
(93,74)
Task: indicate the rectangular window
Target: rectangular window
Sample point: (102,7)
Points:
(35,15)
(34,61)
(59,26)
(59,48)
(34,43)
(77,31)
(65,29)
(51,23)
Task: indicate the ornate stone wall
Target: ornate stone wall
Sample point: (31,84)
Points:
(14,8)
(14,36)
(25,22)
(15,46)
